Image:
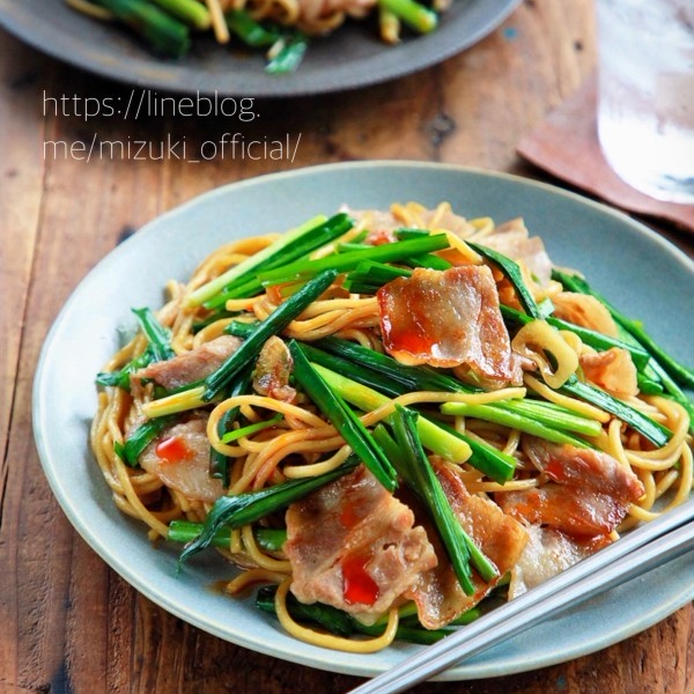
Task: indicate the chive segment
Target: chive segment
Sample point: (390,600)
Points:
(655,432)
(165,34)
(159,337)
(681,373)
(130,451)
(273,324)
(343,262)
(182,532)
(343,419)
(289,56)
(236,434)
(512,420)
(512,272)
(415,468)
(252,33)
(434,436)
(246,270)
(416,16)
(242,509)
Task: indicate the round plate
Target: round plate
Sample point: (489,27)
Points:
(353,56)
(637,269)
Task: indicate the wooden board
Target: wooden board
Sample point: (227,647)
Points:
(69,624)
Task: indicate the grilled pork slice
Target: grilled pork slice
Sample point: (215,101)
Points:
(191,366)
(611,370)
(437,593)
(512,239)
(448,319)
(547,554)
(588,494)
(353,545)
(180,457)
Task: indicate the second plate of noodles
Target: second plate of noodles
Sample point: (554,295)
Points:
(182,52)
(390,418)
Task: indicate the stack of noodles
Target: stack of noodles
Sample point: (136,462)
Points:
(280,26)
(391,420)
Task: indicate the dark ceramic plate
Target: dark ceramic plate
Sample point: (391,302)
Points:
(352,57)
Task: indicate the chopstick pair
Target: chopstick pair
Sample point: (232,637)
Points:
(666,538)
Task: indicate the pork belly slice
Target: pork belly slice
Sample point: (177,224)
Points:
(437,593)
(513,240)
(448,319)
(611,370)
(547,554)
(588,494)
(191,366)
(180,457)
(354,546)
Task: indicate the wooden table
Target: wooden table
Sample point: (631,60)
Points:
(69,623)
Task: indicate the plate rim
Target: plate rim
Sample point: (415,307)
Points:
(187,613)
(45,42)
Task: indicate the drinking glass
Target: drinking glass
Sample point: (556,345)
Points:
(646,94)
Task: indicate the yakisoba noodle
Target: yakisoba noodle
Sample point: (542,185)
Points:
(304,444)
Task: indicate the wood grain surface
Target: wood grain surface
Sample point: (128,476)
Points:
(67,622)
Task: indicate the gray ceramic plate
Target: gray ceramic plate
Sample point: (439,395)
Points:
(636,268)
(351,57)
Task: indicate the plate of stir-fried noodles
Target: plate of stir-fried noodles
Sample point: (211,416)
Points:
(370,414)
(270,48)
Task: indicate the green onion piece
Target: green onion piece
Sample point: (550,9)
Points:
(235,434)
(513,420)
(410,233)
(159,337)
(554,416)
(590,337)
(130,451)
(220,465)
(343,419)
(492,462)
(433,435)
(182,532)
(649,386)
(246,270)
(242,509)
(352,246)
(121,378)
(247,284)
(368,277)
(252,33)
(193,13)
(289,56)
(428,260)
(343,262)
(655,432)
(416,16)
(513,273)
(414,467)
(413,377)
(272,325)
(237,290)
(164,33)
(679,372)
